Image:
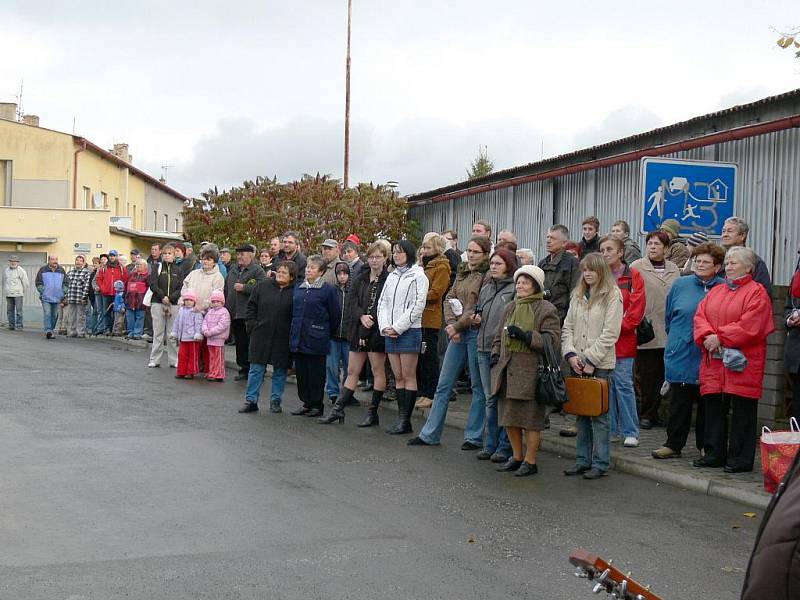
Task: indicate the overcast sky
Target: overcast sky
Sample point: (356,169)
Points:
(226,91)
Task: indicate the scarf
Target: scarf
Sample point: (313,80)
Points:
(523,316)
(313,286)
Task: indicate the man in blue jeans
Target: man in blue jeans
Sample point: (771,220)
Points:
(50,285)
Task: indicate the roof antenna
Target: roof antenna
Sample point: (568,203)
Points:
(20,111)
(164,169)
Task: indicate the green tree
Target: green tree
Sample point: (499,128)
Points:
(317,207)
(482,165)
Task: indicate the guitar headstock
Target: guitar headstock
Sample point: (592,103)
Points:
(608,578)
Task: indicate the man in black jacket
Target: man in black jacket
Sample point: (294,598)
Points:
(591,240)
(166,281)
(242,279)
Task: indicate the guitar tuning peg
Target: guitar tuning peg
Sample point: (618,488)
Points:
(582,573)
(604,575)
(598,588)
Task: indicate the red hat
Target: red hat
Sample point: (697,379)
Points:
(353,238)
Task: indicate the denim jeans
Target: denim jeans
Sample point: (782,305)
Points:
(592,446)
(106,317)
(454,358)
(50,312)
(339,353)
(14,311)
(90,313)
(622,415)
(135,321)
(255,379)
(496,436)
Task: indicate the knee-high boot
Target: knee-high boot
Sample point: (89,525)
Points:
(337,410)
(403,424)
(371,418)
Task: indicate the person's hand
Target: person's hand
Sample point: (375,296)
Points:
(390,332)
(367,321)
(198,337)
(588,369)
(515,333)
(711,342)
(456,339)
(494,359)
(576,364)
(451,331)
(165,300)
(476,319)
(238,287)
(794,319)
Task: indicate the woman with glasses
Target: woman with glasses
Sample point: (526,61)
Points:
(360,323)
(460,306)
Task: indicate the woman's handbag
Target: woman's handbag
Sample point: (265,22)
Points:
(644,332)
(550,388)
(586,396)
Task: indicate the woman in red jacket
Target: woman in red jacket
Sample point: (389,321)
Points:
(623,420)
(736,315)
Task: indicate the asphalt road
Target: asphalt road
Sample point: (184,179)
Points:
(118,481)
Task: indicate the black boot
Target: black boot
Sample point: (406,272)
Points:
(337,410)
(403,424)
(371,418)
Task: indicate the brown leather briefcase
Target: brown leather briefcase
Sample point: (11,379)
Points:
(586,396)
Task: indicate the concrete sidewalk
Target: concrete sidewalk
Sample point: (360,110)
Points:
(746,488)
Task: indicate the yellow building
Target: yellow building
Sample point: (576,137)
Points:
(62,195)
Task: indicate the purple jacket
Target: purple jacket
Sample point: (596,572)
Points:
(188,326)
(216,325)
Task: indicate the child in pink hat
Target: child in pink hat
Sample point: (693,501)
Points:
(188,331)
(216,327)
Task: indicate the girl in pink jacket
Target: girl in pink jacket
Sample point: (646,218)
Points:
(216,325)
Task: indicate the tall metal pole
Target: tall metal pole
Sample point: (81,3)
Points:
(347,103)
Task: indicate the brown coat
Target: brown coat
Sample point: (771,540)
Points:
(519,369)
(438,273)
(466,289)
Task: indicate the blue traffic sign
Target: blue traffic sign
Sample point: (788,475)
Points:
(700,195)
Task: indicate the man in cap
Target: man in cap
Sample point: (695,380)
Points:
(225,258)
(241,281)
(135,255)
(330,254)
(15,283)
(677,251)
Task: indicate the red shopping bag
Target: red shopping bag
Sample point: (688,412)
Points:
(778,449)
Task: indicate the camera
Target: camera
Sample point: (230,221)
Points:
(547,294)
(478,309)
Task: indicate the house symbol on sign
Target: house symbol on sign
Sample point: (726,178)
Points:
(717,191)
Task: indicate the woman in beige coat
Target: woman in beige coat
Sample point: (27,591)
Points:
(659,274)
(588,337)
(516,353)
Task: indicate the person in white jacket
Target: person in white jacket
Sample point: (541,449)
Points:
(400,322)
(15,284)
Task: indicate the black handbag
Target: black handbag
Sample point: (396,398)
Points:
(644,332)
(550,387)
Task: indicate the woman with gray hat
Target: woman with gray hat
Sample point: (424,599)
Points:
(517,350)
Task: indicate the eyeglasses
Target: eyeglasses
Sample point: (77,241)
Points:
(475,252)
(376,257)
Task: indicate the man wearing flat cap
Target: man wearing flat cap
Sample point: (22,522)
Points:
(330,254)
(677,251)
(15,283)
(241,281)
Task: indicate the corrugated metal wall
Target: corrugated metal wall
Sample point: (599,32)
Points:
(768,199)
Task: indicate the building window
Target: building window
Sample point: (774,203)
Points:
(116,206)
(105,200)
(127,209)
(142,224)
(87,197)
(166,222)
(155,220)
(133,217)
(176,226)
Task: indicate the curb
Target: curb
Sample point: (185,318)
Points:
(639,467)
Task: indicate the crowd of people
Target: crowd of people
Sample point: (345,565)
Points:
(686,320)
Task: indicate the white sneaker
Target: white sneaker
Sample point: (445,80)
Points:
(631,442)
(152,365)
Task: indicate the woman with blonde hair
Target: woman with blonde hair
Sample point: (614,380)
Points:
(437,270)
(588,338)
